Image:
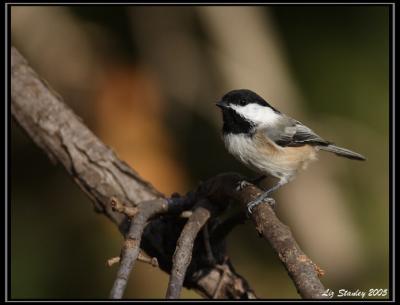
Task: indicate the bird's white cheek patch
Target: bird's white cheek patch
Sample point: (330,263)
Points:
(257,113)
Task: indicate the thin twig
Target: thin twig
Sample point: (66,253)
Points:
(224,270)
(141,258)
(149,260)
(130,250)
(113,261)
(184,248)
(186,214)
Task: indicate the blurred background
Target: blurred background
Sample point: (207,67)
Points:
(145,80)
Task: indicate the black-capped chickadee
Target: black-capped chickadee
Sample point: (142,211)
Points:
(268,141)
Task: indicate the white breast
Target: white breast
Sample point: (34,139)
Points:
(244,149)
(278,163)
(240,146)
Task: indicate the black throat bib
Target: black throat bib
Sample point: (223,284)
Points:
(234,123)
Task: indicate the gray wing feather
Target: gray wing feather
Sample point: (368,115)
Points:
(289,132)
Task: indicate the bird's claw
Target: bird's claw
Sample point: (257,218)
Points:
(254,203)
(242,185)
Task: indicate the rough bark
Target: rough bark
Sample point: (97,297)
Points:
(61,134)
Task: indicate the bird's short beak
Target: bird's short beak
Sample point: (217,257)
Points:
(221,104)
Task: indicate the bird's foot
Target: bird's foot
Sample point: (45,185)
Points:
(242,185)
(257,201)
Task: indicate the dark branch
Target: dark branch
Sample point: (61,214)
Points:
(207,245)
(225,227)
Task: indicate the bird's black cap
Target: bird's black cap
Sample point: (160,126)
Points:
(243,97)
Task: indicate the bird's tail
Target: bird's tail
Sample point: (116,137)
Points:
(343,152)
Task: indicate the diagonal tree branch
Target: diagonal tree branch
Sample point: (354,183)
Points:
(97,170)
(304,273)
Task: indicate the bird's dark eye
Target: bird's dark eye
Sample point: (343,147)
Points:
(242,102)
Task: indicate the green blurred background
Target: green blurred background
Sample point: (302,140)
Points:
(145,79)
